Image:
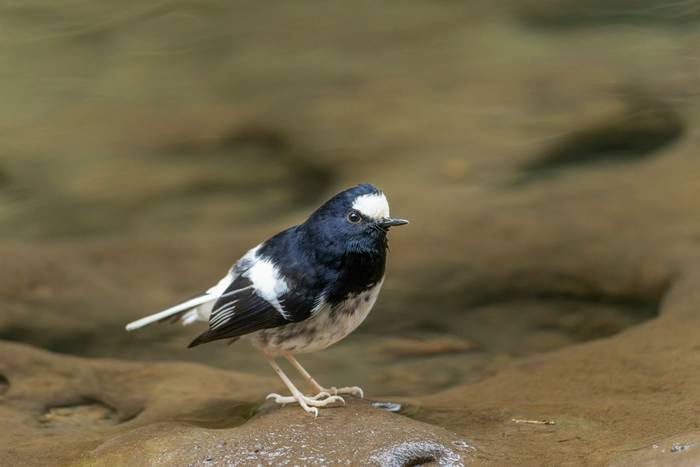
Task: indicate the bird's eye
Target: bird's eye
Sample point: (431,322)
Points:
(354,217)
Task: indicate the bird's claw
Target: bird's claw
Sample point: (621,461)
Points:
(309,400)
(278,398)
(308,403)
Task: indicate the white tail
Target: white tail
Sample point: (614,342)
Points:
(198,312)
(172,311)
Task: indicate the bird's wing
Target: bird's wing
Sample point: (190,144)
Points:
(243,308)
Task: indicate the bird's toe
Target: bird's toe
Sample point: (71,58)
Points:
(325,402)
(321,395)
(308,403)
(354,391)
(281,399)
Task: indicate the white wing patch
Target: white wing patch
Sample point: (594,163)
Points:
(374,205)
(268,282)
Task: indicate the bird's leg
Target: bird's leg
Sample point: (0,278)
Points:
(351,390)
(302,371)
(309,404)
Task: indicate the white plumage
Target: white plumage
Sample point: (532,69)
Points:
(200,308)
(373,205)
(193,305)
(268,282)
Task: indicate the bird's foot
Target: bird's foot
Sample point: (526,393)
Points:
(354,391)
(321,395)
(308,403)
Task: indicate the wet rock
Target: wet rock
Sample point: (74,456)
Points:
(573,378)
(90,414)
(413,347)
(60,407)
(680,450)
(416,453)
(351,435)
(176,414)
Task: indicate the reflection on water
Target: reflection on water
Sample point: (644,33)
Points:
(146,146)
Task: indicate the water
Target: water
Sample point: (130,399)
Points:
(544,152)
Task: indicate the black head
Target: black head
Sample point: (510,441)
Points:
(353,221)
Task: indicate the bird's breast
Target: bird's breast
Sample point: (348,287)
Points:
(329,324)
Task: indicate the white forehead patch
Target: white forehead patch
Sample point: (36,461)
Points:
(374,205)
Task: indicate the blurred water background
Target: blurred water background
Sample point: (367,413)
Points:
(544,150)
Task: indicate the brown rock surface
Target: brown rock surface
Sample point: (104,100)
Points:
(65,410)
(545,152)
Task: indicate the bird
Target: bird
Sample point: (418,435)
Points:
(301,290)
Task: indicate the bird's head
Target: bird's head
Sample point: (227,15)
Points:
(354,220)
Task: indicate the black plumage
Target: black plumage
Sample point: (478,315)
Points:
(320,256)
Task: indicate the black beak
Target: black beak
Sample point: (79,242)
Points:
(390,222)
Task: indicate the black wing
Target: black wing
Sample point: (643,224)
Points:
(239,311)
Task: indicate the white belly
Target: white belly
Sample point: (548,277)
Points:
(327,326)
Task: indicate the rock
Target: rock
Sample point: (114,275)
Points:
(103,412)
(79,415)
(680,450)
(351,435)
(609,400)
(413,347)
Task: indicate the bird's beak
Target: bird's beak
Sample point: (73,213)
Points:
(391,222)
